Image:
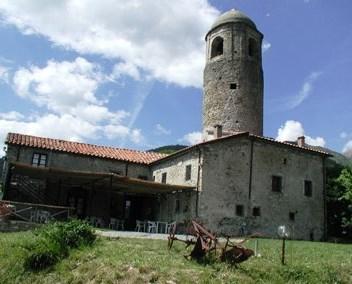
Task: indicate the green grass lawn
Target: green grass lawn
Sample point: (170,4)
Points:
(149,261)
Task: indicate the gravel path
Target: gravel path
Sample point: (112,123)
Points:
(138,235)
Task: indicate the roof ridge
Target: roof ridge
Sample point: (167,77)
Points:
(80,148)
(305,147)
(82,143)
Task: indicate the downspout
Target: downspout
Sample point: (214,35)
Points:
(198,180)
(324,200)
(126,169)
(18,154)
(8,180)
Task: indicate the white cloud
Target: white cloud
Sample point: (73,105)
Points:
(60,86)
(12,116)
(50,125)
(67,93)
(4,74)
(347,149)
(128,69)
(305,91)
(266,45)
(192,138)
(165,39)
(161,130)
(343,135)
(136,136)
(291,130)
(66,87)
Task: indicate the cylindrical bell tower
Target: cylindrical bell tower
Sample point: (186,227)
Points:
(233,76)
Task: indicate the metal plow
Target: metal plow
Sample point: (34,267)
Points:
(206,243)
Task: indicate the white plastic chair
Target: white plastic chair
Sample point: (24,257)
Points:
(113,223)
(140,226)
(152,226)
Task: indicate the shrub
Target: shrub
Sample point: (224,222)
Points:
(78,233)
(42,255)
(69,234)
(54,241)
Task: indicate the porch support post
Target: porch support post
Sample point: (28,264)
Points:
(109,198)
(59,192)
(90,194)
(123,205)
(8,181)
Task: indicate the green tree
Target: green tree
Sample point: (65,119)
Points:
(345,182)
(339,197)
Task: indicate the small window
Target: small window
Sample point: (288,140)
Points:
(188,172)
(143,177)
(292,216)
(276,183)
(163,178)
(308,188)
(217,47)
(233,86)
(256,211)
(285,161)
(177,206)
(39,160)
(153,178)
(252,47)
(239,210)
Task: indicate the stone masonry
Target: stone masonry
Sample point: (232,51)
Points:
(233,77)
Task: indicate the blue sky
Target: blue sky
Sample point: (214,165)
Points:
(129,73)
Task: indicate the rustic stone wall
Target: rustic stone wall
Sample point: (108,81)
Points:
(294,166)
(225,180)
(233,81)
(226,183)
(175,170)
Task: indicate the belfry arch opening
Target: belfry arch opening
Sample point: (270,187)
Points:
(217,47)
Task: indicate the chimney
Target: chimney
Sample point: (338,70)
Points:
(217,131)
(301,141)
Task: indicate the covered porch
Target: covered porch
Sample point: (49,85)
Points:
(104,199)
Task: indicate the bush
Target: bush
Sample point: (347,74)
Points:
(54,241)
(78,233)
(69,234)
(42,256)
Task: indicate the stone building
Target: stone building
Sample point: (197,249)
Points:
(236,181)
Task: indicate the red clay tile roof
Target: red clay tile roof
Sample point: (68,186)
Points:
(132,156)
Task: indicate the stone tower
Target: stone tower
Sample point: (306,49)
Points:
(233,76)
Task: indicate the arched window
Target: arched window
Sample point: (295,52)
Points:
(252,47)
(217,47)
